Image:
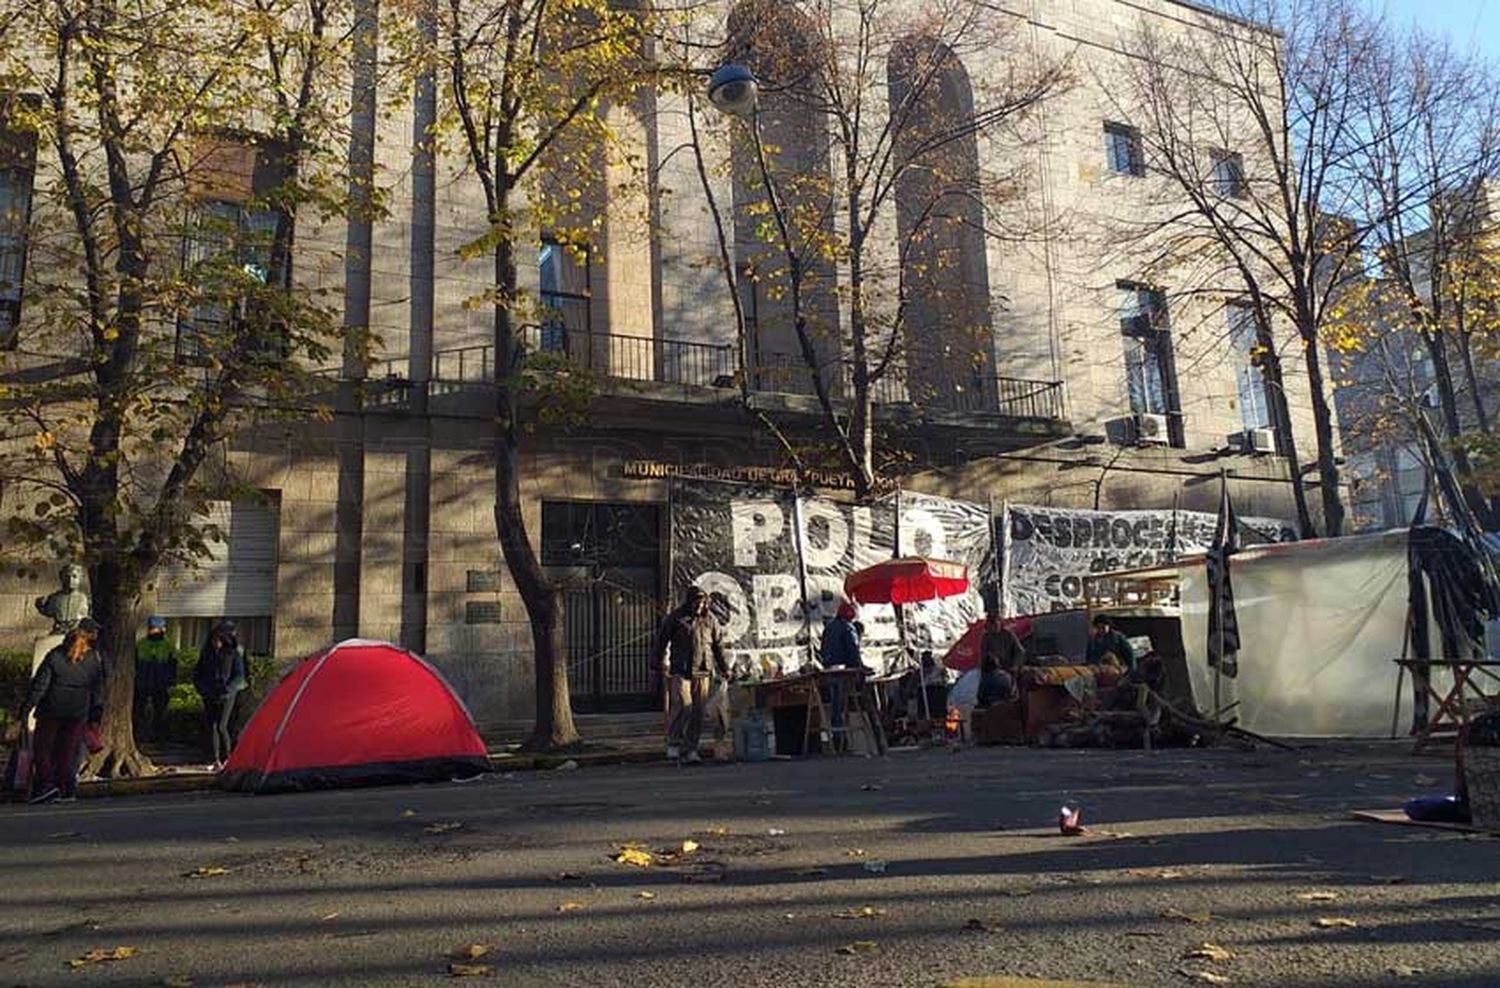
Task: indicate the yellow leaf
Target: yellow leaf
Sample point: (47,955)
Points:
(1334,923)
(441,828)
(471,952)
(471,970)
(207,871)
(633,856)
(645,895)
(101,956)
(1208,952)
(570,907)
(689,846)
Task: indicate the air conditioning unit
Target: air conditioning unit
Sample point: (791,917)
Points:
(1151,428)
(1260,440)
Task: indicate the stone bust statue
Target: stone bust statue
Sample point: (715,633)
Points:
(69,604)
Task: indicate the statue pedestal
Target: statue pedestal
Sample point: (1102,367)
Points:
(39,650)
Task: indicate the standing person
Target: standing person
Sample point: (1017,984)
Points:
(67,693)
(155,674)
(1000,655)
(219,677)
(689,646)
(841,649)
(1106,641)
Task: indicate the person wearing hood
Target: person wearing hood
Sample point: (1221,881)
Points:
(67,694)
(219,678)
(690,647)
(155,674)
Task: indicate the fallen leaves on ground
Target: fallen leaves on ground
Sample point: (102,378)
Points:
(1165,874)
(634,857)
(645,895)
(717,831)
(1318,896)
(1207,977)
(855,852)
(863,912)
(207,871)
(775,831)
(1183,917)
(689,846)
(857,947)
(1334,923)
(330,917)
(1404,971)
(470,951)
(456,970)
(441,828)
(570,907)
(101,956)
(1207,952)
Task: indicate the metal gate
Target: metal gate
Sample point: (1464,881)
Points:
(609,629)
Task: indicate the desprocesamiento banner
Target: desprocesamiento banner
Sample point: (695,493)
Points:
(1047,552)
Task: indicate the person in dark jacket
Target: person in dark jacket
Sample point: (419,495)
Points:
(67,693)
(690,647)
(155,674)
(841,649)
(218,678)
(1000,655)
(1106,642)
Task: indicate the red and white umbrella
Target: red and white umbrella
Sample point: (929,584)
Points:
(907,581)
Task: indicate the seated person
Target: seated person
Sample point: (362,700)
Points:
(1107,646)
(996,685)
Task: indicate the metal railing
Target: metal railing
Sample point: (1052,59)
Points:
(716,365)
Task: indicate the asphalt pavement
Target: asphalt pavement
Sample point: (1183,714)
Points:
(920,868)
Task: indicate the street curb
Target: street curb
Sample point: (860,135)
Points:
(502,760)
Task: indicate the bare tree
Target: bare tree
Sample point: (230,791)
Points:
(1253,128)
(861,196)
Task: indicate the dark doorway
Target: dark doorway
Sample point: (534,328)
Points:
(606,559)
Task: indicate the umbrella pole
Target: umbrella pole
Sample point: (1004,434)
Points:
(921,676)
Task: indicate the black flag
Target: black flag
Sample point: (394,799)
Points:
(1223,625)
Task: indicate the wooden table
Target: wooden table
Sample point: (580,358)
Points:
(1473,679)
(807,689)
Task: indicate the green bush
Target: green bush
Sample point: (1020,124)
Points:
(15,680)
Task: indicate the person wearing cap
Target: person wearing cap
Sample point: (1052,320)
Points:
(219,678)
(690,647)
(1106,642)
(67,693)
(155,674)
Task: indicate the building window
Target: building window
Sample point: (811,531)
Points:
(1229,174)
(1250,379)
(563,290)
(1150,373)
(228,253)
(1122,148)
(17,170)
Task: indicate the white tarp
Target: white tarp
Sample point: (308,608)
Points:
(1321,624)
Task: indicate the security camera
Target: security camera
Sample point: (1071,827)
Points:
(733,89)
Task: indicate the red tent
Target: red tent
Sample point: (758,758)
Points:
(964,654)
(360,713)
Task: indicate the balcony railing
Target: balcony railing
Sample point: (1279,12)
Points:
(716,365)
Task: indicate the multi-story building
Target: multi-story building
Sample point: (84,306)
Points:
(1089,386)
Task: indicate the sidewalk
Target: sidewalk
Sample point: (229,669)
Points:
(608,740)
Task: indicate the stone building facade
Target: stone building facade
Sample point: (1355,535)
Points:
(384,524)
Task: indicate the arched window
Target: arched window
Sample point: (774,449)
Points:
(781,46)
(941,228)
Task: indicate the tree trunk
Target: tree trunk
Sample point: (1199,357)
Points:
(1466,352)
(1442,372)
(1281,419)
(1328,471)
(113,605)
(554,726)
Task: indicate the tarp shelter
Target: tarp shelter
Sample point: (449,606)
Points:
(1321,624)
(359,713)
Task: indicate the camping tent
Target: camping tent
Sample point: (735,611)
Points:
(359,713)
(1321,624)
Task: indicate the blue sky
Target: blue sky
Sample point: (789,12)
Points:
(1467,22)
